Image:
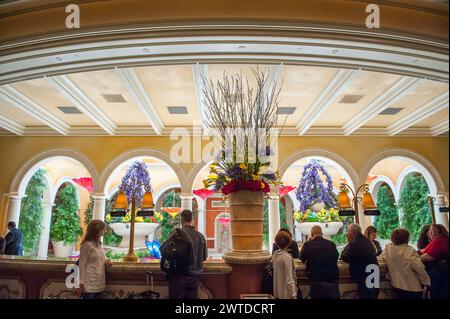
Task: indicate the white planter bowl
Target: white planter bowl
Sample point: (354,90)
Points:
(328,229)
(141,230)
(61,250)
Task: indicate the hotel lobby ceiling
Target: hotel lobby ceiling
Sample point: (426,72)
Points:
(152,100)
(140,72)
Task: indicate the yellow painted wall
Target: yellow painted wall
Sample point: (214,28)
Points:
(101,150)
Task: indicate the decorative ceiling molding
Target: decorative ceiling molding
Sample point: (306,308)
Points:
(11,126)
(428,109)
(199,72)
(81,101)
(334,89)
(382,102)
(313,50)
(440,128)
(33,109)
(141,98)
(287,131)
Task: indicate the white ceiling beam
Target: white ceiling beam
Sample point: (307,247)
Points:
(382,102)
(11,125)
(428,109)
(82,102)
(141,98)
(440,128)
(334,89)
(11,95)
(200,72)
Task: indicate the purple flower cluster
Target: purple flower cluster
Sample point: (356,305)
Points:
(136,174)
(312,189)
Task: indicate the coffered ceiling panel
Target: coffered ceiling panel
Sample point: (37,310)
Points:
(433,120)
(423,94)
(301,86)
(17,115)
(40,91)
(171,86)
(368,85)
(106,90)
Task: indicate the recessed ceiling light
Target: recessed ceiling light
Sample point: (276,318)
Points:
(335,51)
(69,110)
(114,98)
(177,109)
(286,110)
(146,50)
(391,111)
(351,98)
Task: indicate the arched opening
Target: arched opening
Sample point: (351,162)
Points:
(55,172)
(408,184)
(336,174)
(163,180)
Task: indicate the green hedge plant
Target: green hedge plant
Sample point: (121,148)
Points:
(65,225)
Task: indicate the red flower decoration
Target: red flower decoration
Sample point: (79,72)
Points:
(284,190)
(254,186)
(203,193)
(85,182)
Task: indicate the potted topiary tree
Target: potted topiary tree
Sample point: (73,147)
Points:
(65,225)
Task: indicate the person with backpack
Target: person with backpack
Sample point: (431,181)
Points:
(182,257)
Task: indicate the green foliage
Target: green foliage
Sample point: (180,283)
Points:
(88,213)
(388,219)
(139,254)
(168,224)
(32,211)
(414,202)
(65,225)
(266,218)
(340,238)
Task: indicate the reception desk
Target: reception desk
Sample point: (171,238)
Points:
(45,278)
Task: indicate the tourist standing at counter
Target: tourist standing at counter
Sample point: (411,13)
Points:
(371,234)
(321,258)
(435,258)
(293,247)
(92,262)
(13,241)
(284,277)
(359,253)
(405,269)
(184,282)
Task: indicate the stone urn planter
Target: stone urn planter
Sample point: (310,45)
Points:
(61,250)
(328,229)
(141,230)
(246,214)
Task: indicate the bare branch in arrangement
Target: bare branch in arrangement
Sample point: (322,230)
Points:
(233,106)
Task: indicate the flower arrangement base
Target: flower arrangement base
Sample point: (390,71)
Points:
(141,230)
(256,257)
(246,213)
(328,229)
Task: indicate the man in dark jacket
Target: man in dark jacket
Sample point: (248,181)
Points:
(185,285)
(321,258)
(13,240)
(359,253)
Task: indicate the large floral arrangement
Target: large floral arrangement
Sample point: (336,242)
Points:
(312,189)
(137,174)
(244,118)
(322,216)
(156,218)
(233,177)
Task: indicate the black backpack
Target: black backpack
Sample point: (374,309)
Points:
(176,254)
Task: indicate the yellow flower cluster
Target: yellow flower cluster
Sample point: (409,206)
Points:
(322,216)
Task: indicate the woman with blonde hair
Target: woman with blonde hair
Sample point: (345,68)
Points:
(92,262)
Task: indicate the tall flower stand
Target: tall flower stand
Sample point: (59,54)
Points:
(246,256)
